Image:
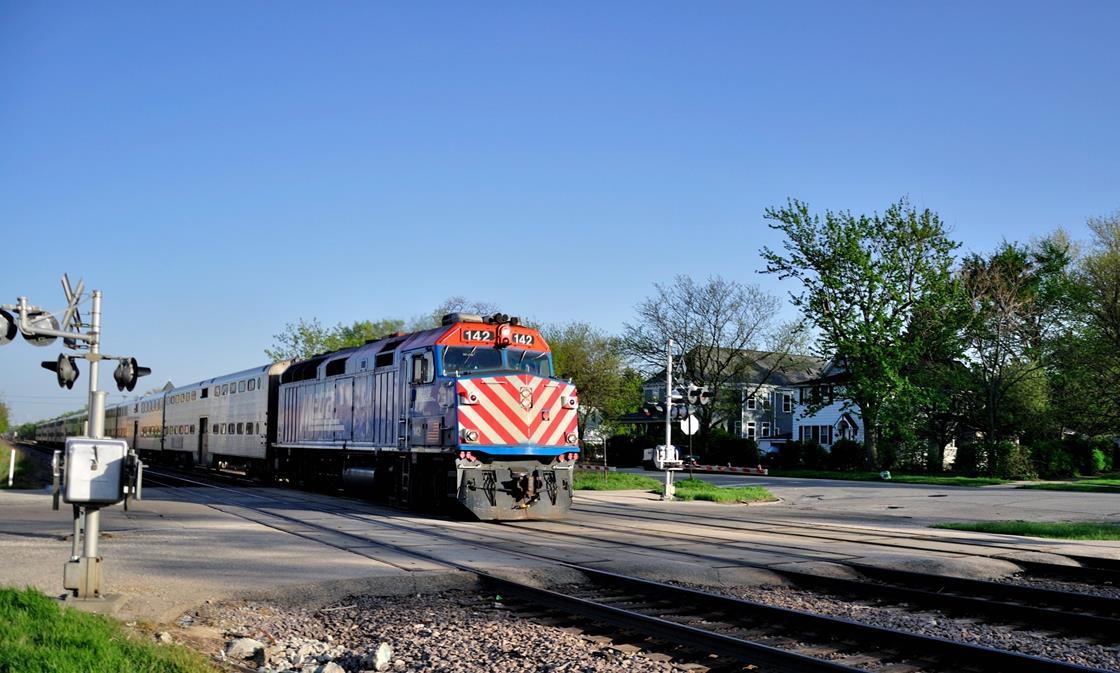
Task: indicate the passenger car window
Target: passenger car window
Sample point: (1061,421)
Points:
(252,385)
(240,386)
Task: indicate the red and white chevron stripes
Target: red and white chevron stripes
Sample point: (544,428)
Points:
(517,409)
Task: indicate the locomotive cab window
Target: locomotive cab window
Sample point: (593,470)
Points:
(533,362)
(471,359)
(422,369)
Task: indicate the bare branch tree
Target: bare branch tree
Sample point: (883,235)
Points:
(718,327)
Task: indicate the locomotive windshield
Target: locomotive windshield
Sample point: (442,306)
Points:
(471,359)
(533,362)
(480,359)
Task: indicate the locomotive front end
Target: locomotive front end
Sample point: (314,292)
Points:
(516,426)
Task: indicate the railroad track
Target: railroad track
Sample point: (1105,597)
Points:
(1091,569)
(673,617)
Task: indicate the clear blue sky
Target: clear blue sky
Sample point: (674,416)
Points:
(220,169)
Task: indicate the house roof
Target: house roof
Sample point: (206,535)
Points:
(779,369)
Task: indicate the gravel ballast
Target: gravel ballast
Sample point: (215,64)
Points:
(452,632)
(932,623)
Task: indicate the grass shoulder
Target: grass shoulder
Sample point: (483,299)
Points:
(26,474)
(1059,530)
(38,636)
(613,481)
(698,489)
(1109,483)
(931,479)
(687,489)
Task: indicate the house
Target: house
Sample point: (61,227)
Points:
(767,389)
(822,413)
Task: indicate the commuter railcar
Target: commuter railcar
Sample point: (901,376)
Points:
(468,412)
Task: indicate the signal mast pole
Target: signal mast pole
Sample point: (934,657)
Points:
(668,495)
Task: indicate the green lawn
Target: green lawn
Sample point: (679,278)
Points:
(613,481)
(697,489)
(933,479)
(687,489)
(36,636)
(1091,485)
(1065,531)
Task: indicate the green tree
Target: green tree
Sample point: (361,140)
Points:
(1023,303)
(865,283)
(4,415)
(305,338)
(1086,370)
(595,363)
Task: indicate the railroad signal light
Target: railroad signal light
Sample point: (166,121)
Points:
(65,369)
(127,372)
(40,320)
(705,396)
(7,327)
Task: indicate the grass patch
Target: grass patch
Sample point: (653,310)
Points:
(612,481)
(697,489)
(36,636)
(1093,485)
(932,479)
(1065,531)
(24,476)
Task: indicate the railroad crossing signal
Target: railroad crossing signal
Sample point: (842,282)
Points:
(66,370)
(127,372)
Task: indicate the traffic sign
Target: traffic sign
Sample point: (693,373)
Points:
(690,425)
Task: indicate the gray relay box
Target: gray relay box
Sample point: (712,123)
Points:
(94,471)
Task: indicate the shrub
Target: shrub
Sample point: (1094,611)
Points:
(1010,460)
(1053,459)
(969,459)
(739,451)
(788,455)
(814,456)
(846,455)
(1101,462)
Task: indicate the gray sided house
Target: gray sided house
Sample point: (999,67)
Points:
(768,390)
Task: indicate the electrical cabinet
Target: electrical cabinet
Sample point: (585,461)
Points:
(95,471)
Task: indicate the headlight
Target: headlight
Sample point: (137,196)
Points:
(470,436)
(572,438)
(468,398)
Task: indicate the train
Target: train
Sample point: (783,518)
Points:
(468,415)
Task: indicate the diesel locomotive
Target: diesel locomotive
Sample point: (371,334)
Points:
(469,413)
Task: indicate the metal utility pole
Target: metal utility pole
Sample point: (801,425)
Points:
(668,495)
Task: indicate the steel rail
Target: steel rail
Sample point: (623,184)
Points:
(1015,603)
(1092,568)
(961,655)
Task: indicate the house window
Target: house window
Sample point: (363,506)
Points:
(787,403)
(751,403)
(750,430)
(737,428)
(765,429)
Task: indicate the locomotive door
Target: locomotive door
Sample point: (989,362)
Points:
(203,440)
